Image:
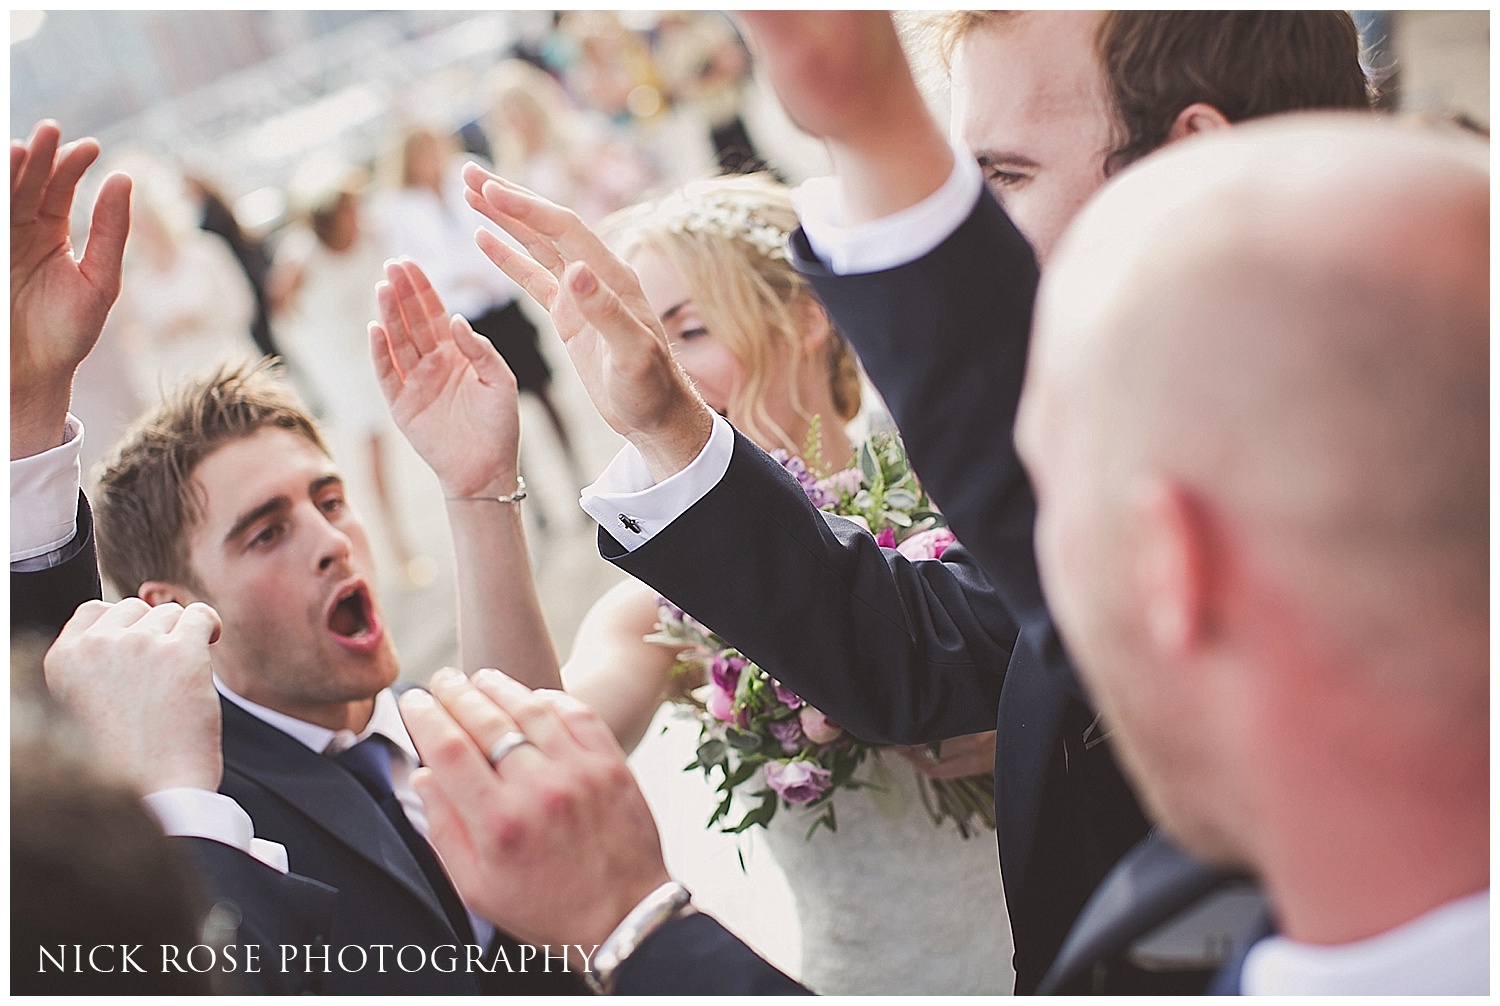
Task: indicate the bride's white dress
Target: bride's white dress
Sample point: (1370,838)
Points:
(891,903)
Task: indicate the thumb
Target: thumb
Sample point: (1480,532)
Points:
(488,363)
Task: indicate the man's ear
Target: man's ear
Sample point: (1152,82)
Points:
(1199,117)
(1172,577)
(155,592)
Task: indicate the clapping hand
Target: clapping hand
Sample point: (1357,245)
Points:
(960,757)
(614,338)
(555,843)
(448,389)
(57,303)
(140,682)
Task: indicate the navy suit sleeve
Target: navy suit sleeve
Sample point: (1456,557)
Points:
(697,956)
(893,650)
(43,601)
(274,909)
(945,338)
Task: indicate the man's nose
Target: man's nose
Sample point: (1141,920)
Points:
(334,546)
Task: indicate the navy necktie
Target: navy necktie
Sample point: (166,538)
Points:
(369,761)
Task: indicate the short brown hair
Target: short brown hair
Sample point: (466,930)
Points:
(1244,63)
(147,498)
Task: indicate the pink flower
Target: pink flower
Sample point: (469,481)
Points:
(720,704)
(798,781)
(886,538)
(844,483)
(930,544)
(818,728)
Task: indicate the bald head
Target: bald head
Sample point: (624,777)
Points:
(1292,319)
(1256,417)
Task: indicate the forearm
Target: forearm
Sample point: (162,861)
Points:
(897,652)
(625,698)
(500,617)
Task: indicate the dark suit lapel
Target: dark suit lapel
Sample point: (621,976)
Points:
(323,793)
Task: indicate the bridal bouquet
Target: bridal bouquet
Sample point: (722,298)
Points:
(755,731)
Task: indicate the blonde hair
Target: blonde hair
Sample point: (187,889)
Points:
(727,236)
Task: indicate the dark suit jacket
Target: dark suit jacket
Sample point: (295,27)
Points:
(334,832)
(274,908)
(902,651)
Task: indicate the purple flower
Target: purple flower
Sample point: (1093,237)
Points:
(886,538)
(818,728)
(669,609)
(799,781)
(786,696)
(929,544)
(818,495)
(788,734)
(720,704)
(725,672)
(844,483)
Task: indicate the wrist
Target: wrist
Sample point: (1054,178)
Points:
(503,483)
(38,419)
(662,904)
(672,447)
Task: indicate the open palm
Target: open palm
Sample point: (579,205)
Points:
(58,303)
(449,391)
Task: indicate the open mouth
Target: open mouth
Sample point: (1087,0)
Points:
(352,621)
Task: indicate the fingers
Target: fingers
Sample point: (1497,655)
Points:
(467,779)
(386,374)
(17,158)
(587,728)
(560,228)
(418,312)
(105,253)
(36,168)
(480,716)
(72,161)
(601,307)
(399,338)
(83,619)
(534,714)
(538,247)
(199,622)
(528,274)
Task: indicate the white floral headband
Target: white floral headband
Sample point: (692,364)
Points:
(720,214)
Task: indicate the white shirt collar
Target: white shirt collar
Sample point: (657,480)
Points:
(1444,952)
(385,720)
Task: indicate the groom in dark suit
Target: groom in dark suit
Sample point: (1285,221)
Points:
(227,495)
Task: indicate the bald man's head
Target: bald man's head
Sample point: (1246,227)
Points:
(1257,418)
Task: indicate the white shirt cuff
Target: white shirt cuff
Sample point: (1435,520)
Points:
(634,509)
(44,497)
(199,813)
(892,241)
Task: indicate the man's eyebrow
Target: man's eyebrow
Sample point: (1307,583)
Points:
(672,311)
(275,504)
(989,158)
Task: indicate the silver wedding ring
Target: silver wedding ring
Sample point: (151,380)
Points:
(508,742)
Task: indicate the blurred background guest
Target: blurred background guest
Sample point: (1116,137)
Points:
(427,220)
(325,274)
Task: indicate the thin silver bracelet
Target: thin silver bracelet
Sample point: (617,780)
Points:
(514,497)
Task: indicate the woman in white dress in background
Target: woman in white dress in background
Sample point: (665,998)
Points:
(323,288)
(890,902)
(185,306)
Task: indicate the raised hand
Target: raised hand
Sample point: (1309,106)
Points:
(842,77)
(57,303)
(140,682)
(613,337)
(448,389)
(555,844)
